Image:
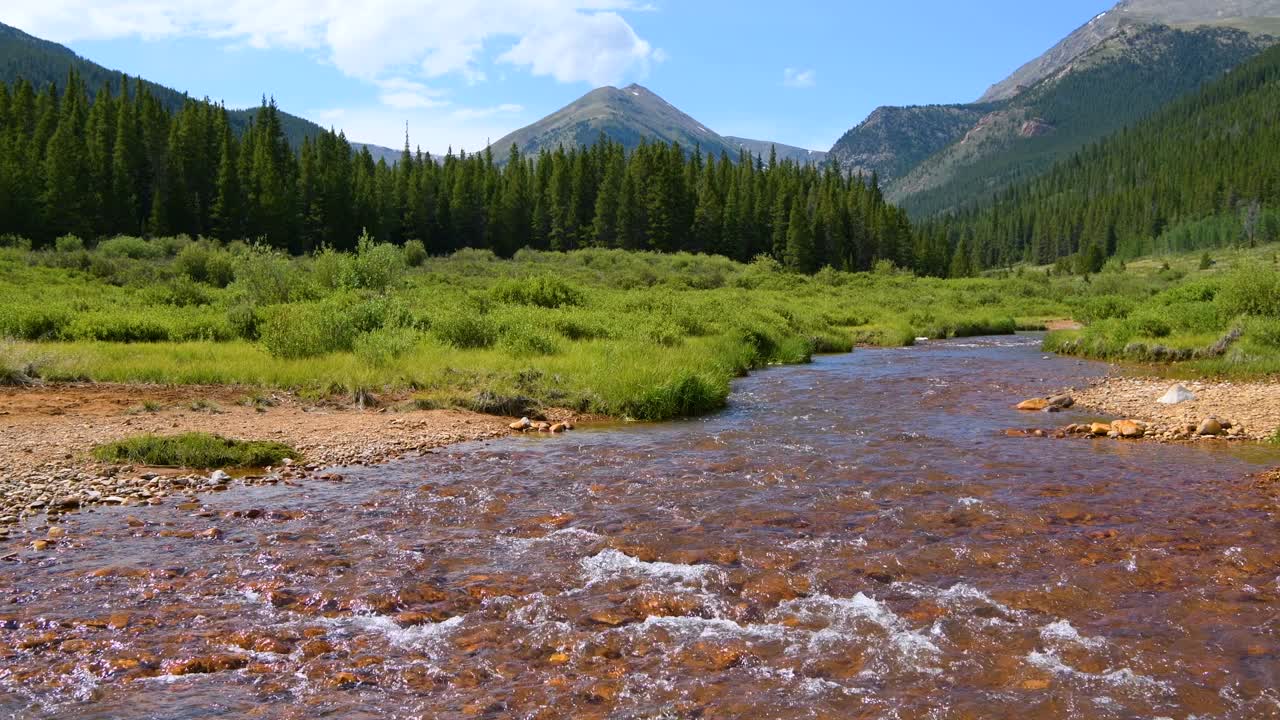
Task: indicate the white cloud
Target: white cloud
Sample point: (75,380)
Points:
(795,78)
(404,94)
(570,40)
(482,113)
(599,48)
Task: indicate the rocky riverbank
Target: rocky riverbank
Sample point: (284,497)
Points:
(1240,410)
(48,432)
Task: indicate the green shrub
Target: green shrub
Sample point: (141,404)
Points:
(265,276)
(194,450)
(1104,307)
(1147,325)
(1255,291)
(542,291)
(1264,331)
(385,346)
(575,327)
(302,330)
(415,253)
(68,244)
(105,326)
(464,331)
(376,266)
(179,292)
(205,264)
(134,248)
(525,342)
(34,322)
(243,321)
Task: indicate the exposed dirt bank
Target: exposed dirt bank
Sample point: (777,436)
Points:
(48,432)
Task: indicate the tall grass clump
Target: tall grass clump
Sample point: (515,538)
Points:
(193,450)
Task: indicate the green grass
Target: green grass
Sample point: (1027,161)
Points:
(638,335)
(1186,310)
(193,450)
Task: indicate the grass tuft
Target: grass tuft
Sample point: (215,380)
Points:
(194,450)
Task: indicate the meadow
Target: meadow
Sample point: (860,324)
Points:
(627,334)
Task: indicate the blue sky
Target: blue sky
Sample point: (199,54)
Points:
(462,72)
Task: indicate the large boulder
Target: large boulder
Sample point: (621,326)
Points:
(1177,394)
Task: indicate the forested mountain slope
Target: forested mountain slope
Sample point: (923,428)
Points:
(893,140)
(1171,182)
(1135,72)
(41,63)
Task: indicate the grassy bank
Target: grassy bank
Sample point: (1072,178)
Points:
(634,335)
(1215,315)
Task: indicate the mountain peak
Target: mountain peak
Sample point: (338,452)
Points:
(1254,16)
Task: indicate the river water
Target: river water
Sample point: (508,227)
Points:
(856,538)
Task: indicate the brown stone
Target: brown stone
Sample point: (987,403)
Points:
(1128,429)
(316,648)
(1034,404)
(1099,429)
(207,664)
(775,587)
(1210,427)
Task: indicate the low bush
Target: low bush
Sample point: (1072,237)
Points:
(465,331)
(383,347)
(194,450)
(303,330)
(1253,291)
(526,342)
(415,253)
(542,291)
(134,248)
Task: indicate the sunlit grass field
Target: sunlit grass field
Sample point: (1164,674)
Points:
(636,335)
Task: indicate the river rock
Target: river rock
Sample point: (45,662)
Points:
(1034,404)
(1062,402)
(219,477)
(1128,429)
(1099,429)
(1177,394)
(521,425)
(1209,426)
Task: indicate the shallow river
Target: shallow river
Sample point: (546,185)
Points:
(857,538)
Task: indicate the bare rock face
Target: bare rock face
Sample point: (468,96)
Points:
(1035,127)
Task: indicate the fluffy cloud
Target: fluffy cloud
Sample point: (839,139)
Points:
(795,78)
(570,40)
(406,94)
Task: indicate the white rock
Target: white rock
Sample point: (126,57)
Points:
(219,476)
(1177,394)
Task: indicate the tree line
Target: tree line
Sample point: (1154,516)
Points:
(117,161)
